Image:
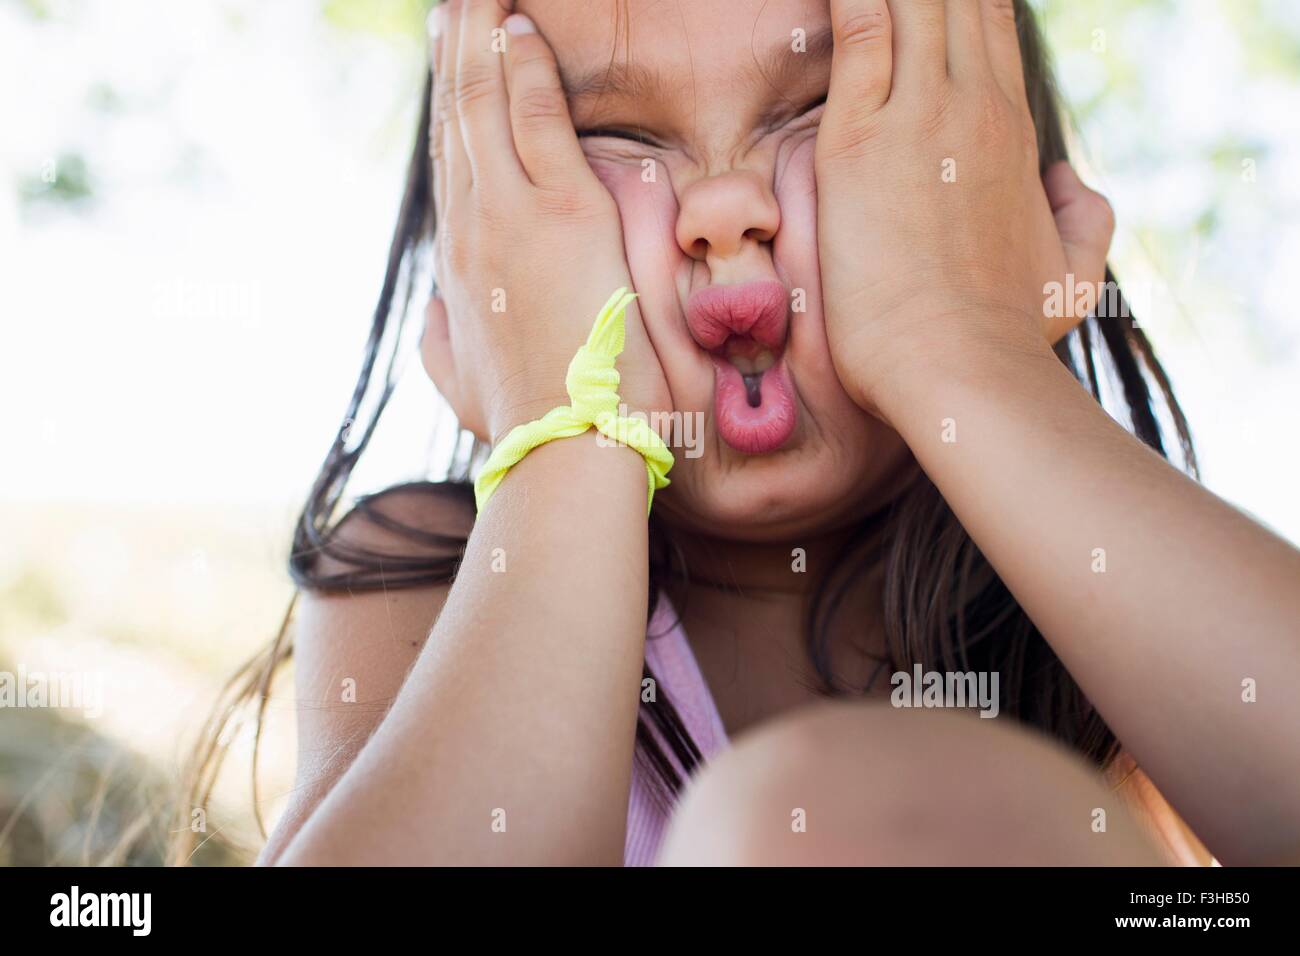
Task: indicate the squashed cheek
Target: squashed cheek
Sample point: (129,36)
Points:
(794,248)
(647,205)
(648,209)
(794,252)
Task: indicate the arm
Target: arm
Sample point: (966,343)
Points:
(524,699)
(1194,599)
(939,313)
(511,739)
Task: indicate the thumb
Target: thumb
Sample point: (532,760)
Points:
(1085,223)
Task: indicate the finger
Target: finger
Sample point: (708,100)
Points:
(863,63)
(1003,41)
(544,138)
(967,53)
(481,87)
(451,165)
(1085,222)
(920,42)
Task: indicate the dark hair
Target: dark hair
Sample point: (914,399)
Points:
(943,603)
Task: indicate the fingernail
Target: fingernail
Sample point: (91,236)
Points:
(518,23)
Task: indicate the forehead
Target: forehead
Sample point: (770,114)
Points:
(657,49)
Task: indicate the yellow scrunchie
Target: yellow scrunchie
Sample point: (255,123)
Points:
(592,383)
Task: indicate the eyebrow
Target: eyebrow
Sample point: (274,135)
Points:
(781,67)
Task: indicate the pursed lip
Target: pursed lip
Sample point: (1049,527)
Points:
(743,329)
(757,309)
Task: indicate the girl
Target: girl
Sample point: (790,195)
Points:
(844,223)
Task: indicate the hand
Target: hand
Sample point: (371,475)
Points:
(529,245)
(936,233)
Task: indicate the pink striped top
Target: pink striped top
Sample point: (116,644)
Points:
(679,679)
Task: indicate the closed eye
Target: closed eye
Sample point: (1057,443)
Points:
(615,133)
(782,116)
(820,101)
(636,136)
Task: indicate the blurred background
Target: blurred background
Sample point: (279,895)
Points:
(195,207)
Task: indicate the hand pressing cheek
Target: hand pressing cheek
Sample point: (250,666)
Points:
(642,187)
(856,452)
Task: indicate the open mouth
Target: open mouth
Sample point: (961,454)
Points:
(751,359)
(753,396)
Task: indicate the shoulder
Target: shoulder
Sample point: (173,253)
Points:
(404,536)
(374,586)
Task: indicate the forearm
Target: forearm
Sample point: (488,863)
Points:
(520,711)
(1194,597)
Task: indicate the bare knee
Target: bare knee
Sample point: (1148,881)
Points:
(863,783)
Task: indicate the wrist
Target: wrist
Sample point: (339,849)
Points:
(585,461)
(907,381)
(512,413)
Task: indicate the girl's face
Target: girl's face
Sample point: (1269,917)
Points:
(702,125)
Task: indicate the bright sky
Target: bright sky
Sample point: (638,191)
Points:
(195,336)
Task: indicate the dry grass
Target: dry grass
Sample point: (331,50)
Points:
(155,606)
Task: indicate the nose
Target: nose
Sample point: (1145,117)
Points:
(720,217)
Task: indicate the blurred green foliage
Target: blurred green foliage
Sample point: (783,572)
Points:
(391,18)
(65,181)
